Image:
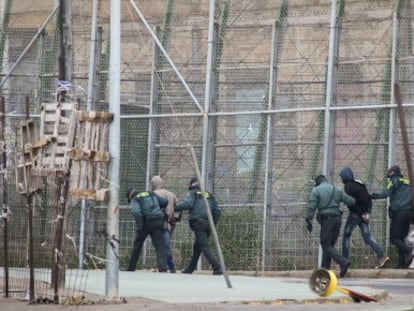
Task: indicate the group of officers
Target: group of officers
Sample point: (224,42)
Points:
(156,213)
(325,199)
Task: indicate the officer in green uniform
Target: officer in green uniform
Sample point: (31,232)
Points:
(398,190)
(199,224)
(326,198)
(147,211)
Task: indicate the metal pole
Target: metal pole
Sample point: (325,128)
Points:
(152,121)
(277,43)
(112,246)
(207,95)
(328,139)
(5,197)
(391,145)
(392,111)
(89,106)
(406,144)
(329,90)
(92,63)
(29,206)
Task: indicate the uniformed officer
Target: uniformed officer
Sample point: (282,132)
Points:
(199,224)
(326,199)
(399,192)
(146,208)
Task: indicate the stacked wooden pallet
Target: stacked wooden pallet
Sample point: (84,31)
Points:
(72,143)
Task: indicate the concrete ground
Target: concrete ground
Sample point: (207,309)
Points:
(203,291)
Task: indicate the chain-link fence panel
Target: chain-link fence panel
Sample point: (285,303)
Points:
(291,96)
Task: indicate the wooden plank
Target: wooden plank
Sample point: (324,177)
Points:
(95,116)
(90,155)
(42,142)
(87,194)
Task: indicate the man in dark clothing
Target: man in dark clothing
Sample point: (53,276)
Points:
(199,224)
(326,198)
(359,215)
(146,208)
(398,190)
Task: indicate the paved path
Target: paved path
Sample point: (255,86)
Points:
(287,290)
(203,288)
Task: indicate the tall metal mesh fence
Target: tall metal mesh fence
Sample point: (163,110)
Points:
(270,62)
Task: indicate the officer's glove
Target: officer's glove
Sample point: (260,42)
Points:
(309,225)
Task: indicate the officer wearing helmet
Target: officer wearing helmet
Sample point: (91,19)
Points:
(199,224)
(399,211)
(146,208)
(326,198)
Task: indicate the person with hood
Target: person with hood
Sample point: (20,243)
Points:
(359,215)
(326,198)
(171,217)
(399,210)
(146,208)
(199,224)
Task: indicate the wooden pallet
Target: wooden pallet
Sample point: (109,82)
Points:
(90,156)
(26,183)
(71,142)
(57,133)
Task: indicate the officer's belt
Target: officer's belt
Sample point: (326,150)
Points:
(329,215)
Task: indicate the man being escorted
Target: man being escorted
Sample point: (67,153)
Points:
(171,217)
(149,218)
(199,224)
(326,198)
(399,211)
(359,215)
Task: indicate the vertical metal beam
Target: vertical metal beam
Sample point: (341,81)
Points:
(394,73)
(219,32)
(29,205)
(112,246)
(65,27)
(329,126)
(393,111)
(5,207)
(5,17)
(277,43)
(208,98)
(329,133)
(90,105)
(152,122)
(92,58)
(406,144)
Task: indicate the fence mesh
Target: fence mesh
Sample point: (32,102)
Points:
(270,62)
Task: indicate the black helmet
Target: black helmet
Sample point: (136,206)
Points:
(131,193)
(394,170)
(319,179)
(193,183)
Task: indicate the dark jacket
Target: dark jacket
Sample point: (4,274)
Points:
(147,206)
(326,198)
(398,189)
(358,190)
(194,203)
